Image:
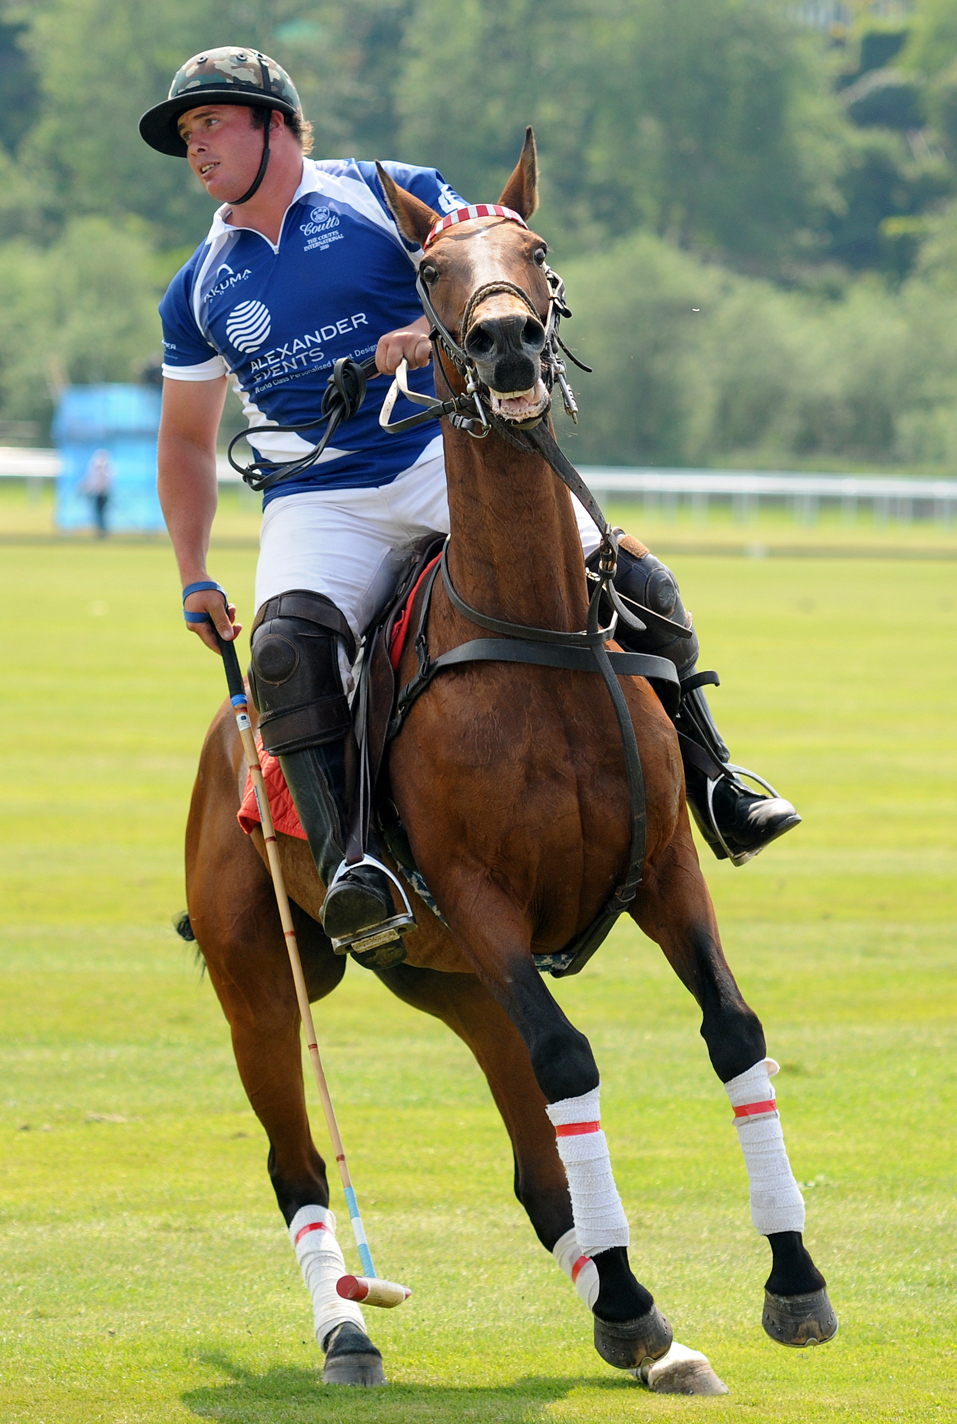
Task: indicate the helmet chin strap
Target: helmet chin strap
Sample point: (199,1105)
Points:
(263,165)
(264,161)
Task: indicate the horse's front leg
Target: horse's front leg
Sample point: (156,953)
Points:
(674,908)
(629,1328)
(232,910)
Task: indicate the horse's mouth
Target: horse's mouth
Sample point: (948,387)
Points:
(520,405)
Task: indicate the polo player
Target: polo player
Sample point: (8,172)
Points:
(304,264)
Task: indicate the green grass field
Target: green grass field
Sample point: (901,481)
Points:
(147,1276)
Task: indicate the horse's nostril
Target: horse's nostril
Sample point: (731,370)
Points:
(480,342)
(533,334)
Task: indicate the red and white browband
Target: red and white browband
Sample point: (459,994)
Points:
(475,210)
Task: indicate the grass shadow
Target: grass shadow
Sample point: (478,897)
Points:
(290,1394)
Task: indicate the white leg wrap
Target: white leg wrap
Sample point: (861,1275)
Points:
(313,1235)
(580,1270)
(776,1201)
(600,1220)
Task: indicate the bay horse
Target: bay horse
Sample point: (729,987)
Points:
(510,782)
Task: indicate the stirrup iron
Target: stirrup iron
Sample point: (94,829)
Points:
(386,930)
(735,857)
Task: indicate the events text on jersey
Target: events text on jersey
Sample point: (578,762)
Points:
(305,350)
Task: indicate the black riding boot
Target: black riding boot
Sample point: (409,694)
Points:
(305,721)
(357,913)
(736,822)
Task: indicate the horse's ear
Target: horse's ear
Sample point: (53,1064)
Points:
(521,191)
(414,218)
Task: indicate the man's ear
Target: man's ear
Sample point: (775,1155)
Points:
(414,219)
(521,191)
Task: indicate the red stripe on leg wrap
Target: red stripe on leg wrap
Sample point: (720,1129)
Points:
(313,1226)
(576,1129)
(752,1109)
(576,1269)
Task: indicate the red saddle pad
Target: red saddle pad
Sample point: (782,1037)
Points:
(285,817)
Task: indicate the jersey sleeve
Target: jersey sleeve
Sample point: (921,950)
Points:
(187,355)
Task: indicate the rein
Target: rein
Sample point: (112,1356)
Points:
(345,391)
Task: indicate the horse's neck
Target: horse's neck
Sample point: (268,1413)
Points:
(515,551)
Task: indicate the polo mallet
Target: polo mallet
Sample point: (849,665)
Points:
(368,1289)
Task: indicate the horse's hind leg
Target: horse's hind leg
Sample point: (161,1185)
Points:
(467,1008)
(675,909)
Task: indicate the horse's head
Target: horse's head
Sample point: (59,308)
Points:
(487,288)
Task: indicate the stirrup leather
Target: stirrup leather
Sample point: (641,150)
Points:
(736,857)
(386,930)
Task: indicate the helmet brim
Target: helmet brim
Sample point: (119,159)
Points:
(158,125)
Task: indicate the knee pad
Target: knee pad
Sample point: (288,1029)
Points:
(645,580)
(294,678)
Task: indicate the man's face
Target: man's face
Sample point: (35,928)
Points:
(223,148)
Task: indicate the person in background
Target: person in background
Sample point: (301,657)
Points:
(97,485)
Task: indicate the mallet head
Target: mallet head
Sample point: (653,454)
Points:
(369,1290)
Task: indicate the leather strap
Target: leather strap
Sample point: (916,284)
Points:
(498,625)
(700,759)
(519,650)
(548,447)
(699,679)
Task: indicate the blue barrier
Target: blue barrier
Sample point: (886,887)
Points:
(107,439)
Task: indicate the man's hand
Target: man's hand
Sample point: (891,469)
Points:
(224,619)
(409,342)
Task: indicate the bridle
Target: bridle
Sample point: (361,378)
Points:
(472,412)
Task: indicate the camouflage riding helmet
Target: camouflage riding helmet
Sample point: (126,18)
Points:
(230,75)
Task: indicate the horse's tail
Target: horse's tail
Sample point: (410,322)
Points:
(183,927)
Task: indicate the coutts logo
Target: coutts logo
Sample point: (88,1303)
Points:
(248,326)
(320,220)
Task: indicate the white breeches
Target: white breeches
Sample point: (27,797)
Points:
(349,544)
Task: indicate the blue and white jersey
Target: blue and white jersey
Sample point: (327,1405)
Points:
(277,318)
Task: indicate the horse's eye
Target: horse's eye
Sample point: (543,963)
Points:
(540,256)
(429,274)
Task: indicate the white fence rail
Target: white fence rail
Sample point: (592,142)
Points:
(888,497)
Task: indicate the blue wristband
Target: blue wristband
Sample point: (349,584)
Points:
(201,588)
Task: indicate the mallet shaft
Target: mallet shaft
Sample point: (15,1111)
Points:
(237,695)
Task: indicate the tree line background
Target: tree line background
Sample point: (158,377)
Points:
(753,202)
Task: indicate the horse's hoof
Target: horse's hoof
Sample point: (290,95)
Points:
(351,1358)
(680,1371)
(799,1320)
(628,1344)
